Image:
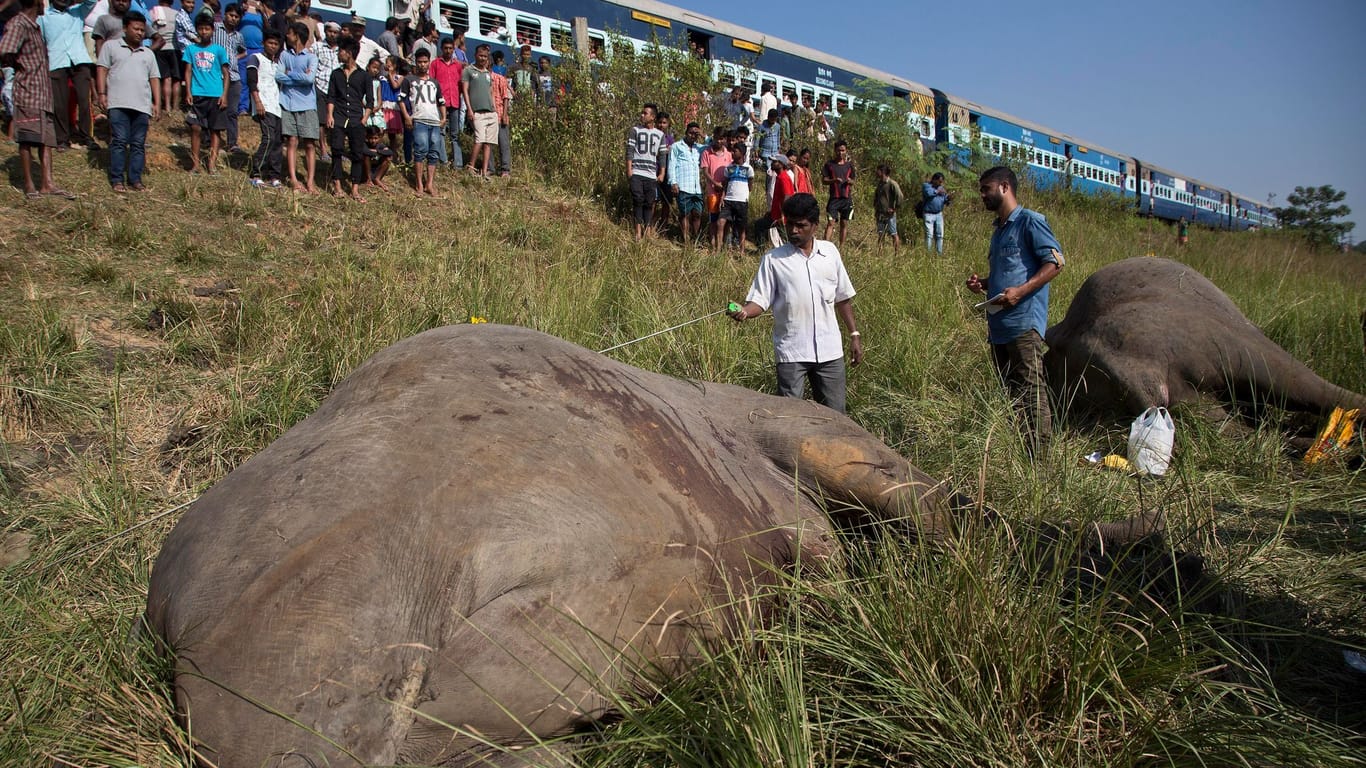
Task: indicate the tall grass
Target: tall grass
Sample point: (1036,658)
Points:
(909,655)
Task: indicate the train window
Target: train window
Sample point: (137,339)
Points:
(787,90)
(561,38)
(748,83)
(767,82)
(337,3)
(490,21)
(597,46)
(808,97)
(529,31)
(456,15)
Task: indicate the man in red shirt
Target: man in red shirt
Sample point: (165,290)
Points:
(446,71)
(838,175)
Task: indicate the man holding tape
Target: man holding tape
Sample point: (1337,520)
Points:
(1024,257)
(806,286)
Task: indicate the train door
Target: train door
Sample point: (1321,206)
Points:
(700,44)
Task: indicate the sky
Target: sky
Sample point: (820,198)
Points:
(1253,96)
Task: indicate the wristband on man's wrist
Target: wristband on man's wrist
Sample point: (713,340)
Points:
(852,334)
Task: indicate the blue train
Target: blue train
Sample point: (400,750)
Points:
(942,120)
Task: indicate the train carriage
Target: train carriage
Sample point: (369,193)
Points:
(1051,157)
(1169,195)
(1250,213)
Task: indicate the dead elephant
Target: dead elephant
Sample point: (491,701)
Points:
(481,527)
(1147,331)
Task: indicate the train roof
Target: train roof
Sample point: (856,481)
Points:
(1251,199)
(1179,175)
(768,41)
(1033,126)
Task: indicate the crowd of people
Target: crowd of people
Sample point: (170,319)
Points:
(318,92)
(325,94)
(707,184)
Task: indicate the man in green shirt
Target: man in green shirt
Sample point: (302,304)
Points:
(476,87)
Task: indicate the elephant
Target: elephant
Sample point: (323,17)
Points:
(489,528)
(1148,331)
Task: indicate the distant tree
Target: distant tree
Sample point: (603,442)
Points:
(1313,211)
(1360,247)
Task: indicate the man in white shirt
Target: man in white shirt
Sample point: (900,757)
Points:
(768,100)
(642,168)
(369,49)
(268,160)
(806,286)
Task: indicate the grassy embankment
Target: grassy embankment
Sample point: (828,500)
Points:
(123,394)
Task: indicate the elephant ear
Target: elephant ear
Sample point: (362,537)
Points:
(864,472)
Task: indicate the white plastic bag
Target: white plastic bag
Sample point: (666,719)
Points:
(1150,441)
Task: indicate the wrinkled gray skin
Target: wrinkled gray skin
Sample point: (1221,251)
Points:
(471,524)
(1145,331)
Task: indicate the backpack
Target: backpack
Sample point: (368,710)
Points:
(920,208)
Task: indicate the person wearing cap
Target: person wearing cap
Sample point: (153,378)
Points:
(806,286)
(369,49)
(326,52)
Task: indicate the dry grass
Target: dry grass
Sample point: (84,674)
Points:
(124,393)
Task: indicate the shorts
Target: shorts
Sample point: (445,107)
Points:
(887,225)
(168,64)
(840,208)
(428,143)
(736,212)
(35,129)
(485,127)
(689,203)
(713,203)
(643,189)
(206,114)
(303,125)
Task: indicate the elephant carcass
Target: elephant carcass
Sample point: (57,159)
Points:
(1146,331)
(487,527)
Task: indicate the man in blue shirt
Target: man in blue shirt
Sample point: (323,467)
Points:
(1024,257)
(63,30)
(296,73)
(685,168)
(935,197)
